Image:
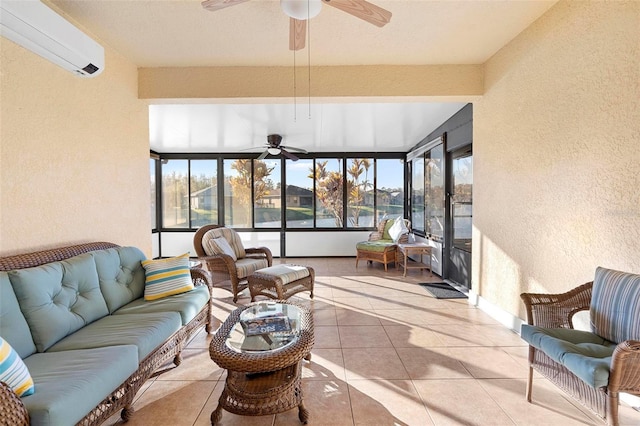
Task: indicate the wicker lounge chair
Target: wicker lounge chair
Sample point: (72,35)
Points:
(592,367)
(226,272)
(380,247)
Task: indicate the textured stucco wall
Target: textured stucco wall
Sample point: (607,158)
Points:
(334,81)
(74,154)
(557,154)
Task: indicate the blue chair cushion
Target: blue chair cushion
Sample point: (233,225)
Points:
(615,305)
(585,354)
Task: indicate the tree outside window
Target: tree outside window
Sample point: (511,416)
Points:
(237,190)
(360,193)
(329,187)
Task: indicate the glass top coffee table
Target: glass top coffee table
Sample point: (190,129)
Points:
(261,346)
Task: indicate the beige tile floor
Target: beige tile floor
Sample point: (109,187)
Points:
(386,353)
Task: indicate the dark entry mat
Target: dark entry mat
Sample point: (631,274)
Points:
(443,291)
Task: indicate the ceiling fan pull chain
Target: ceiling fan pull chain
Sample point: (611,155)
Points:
(309,54)
(295,106)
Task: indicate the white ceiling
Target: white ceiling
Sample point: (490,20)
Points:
(355,127)
(177,33)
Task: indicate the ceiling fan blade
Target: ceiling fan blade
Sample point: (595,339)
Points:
(289,155)
(297,33)
(263,155)
(364,10)
(213,5)
(293,148)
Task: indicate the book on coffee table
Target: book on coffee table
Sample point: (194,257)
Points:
(265,325)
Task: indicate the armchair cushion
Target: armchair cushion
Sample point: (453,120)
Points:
(249,265)
(228,234)
(615,305)
(221,246)
(374,246)
(585,354)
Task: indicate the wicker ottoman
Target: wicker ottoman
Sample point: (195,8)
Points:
(281,281)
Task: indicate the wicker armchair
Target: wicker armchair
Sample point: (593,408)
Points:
(227,273)
(555,311)
(380,247)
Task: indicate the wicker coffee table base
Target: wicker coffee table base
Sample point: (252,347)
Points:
(262,394)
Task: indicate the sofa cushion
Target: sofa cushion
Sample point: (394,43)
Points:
(615,305)
(121,275)
(374,246)
(13,325)
(248,265)
(13,372)
(230,235)
(59,298)
(585,354)
(145,331)
(166,277)
(186,304)
(71,384)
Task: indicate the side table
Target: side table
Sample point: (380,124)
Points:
(406,250)
(263,359)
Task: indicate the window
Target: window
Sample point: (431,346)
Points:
(360,192)
(434,191)
(194,192)
(204,192)
(267,204)
(299,193)
(329,185)
(237,193)
(152,171)
(462,201)
(389,188)
(175,192)
(417,194)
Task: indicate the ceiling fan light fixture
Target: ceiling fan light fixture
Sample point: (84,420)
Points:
(273,151)
(301,9)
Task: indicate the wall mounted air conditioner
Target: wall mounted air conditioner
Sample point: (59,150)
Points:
(36,27)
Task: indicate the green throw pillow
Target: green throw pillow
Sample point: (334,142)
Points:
(387,226)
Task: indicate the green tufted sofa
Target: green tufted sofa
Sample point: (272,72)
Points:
(592,366)
(380,247)
(77,318)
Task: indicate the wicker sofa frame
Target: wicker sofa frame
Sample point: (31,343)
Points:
(222,267)
(557,311)
(121,398)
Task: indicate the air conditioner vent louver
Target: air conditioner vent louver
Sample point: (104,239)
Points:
(36,27)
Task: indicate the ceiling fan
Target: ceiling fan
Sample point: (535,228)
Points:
(301,10)
(274,148)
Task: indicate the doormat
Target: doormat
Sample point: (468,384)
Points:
(443,291)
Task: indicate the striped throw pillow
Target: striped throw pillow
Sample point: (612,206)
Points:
(166,277)
(615,305)
(13,371)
